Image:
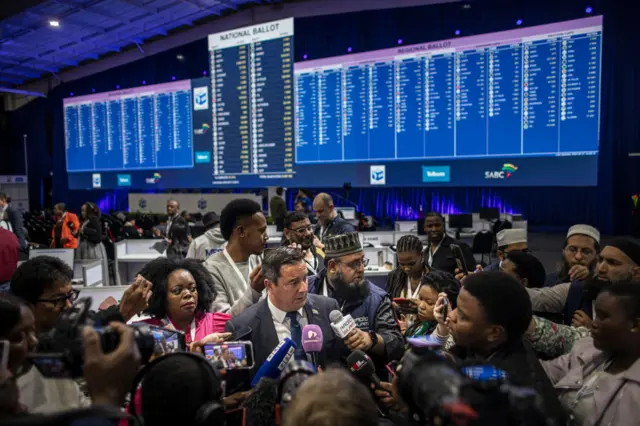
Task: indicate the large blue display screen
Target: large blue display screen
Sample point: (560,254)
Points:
(514,108)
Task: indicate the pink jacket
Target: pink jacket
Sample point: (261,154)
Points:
(617,396)
(206,323)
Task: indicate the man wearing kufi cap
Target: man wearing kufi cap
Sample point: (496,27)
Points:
(619,260)
(343,279)
(509,240)
(579,255)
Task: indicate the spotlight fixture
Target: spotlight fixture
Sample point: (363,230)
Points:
(70,93)
(519,22)
(305,56)
(144,82)
(204,72)
(93,90)
(589,10)
(54,23)
(400,41)
(173,77)
(117,86)
(457,32)
(349,49)
(180,57)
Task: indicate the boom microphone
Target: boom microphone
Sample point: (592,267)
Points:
(293,376)
(312,341)
(342,325)
(275,363)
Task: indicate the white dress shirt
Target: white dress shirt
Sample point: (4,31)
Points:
(282,323)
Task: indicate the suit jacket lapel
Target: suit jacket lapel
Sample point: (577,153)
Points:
(265,330)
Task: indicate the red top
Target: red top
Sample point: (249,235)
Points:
(9,249)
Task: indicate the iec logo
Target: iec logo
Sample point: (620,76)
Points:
(436,174)
(507,171)
(142,203)
(96,180)
(124,180)
(202,204)
(378,175)
(200,98)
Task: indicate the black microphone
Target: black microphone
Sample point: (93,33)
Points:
(363,368)
(260,405)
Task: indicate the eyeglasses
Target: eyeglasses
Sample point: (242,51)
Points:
(303,230)
(177,291)
(356,264)
(72,296)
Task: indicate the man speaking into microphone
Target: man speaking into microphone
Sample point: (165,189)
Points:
(360,301)
(287,310)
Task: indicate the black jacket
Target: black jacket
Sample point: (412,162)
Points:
(336,227)
(92,232)
(443,259)
(523,369)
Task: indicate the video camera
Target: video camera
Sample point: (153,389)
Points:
(439,391)
(60,352)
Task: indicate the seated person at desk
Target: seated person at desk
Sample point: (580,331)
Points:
(438,252)
(182,294)
(404,281)
(508,240)
(288,308)
(236,269)
(369,305)
(329,223)
(298,230)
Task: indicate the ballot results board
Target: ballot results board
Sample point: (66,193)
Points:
(513,108)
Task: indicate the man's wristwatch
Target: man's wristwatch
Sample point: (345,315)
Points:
(374,339)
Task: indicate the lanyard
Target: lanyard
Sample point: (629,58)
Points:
(192,331)
(325,291)
(313,268)
(409,294)
(235,268)
(432,252)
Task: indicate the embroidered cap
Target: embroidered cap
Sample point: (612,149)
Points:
(511,236)
(587,230)
(342,245)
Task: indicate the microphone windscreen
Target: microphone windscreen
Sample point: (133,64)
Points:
(260,405)
(361,365)
(312,338)
(335,316)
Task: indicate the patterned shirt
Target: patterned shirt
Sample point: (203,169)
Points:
(553,339)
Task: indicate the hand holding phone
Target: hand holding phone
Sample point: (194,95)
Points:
(459,258)
(441,310)
(230,355)
(406,306)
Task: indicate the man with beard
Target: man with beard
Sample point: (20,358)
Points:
(579,255)
(343,279)
(438,252)
(619,261)
(299,231)
(575,300)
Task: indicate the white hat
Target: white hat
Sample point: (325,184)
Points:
(587,230)
(511,236)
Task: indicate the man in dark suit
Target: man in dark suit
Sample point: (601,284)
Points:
(438,254)
(14,217)
(286,310)
(329,223)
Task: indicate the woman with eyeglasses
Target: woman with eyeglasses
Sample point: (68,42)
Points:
(182,294)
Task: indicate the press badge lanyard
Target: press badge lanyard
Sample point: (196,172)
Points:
(313,268)
(432,253)
(414,295)
(235,268)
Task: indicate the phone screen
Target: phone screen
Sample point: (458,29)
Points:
(51,365)
(230,355)
(167,341)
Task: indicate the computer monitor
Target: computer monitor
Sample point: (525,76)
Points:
(460,221)
(65,255)
(490,213)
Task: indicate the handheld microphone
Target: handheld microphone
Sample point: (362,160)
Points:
(342,325)
(260,404)
(312,341)
(363,368)
(275,363)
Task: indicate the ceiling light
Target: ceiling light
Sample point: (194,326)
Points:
(54,23)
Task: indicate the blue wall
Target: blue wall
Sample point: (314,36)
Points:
(607,206)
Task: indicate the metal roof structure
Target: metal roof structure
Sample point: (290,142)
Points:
(46,37)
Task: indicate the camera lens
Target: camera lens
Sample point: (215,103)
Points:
(143,337)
